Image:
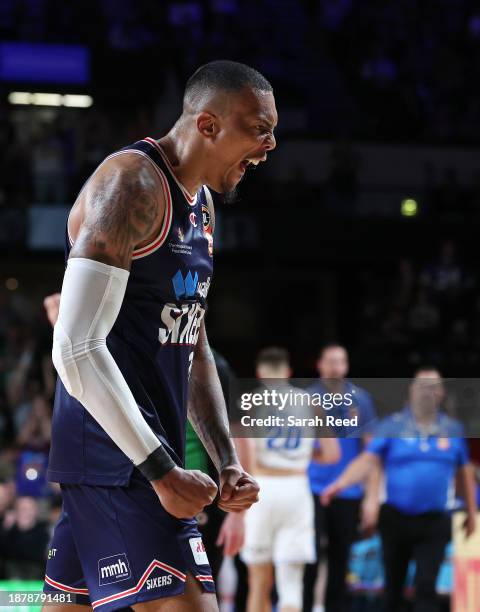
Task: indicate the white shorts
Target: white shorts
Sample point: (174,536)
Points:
(280,527)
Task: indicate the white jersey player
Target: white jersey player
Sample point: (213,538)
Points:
(280,528)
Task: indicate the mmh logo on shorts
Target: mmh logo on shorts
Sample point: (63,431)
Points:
(113,569)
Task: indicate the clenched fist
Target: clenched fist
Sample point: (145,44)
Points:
(185,493)
(238,490)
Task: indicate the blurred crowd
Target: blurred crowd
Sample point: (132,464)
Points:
(423,313)
(29,506)
(393,69)
(45,159)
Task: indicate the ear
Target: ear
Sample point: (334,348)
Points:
(207,124)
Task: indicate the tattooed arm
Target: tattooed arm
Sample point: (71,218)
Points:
(121,205)
(208,416)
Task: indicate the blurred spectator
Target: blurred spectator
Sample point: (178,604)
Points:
(393,328)
(420,448)
(36,430)
(18,359)
(445,276)
(403,284)
(339,522)
(448,283)
(423,317)
(7,495)
(48,169)
(23,541)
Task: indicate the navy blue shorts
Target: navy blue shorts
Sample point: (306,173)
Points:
(115,546)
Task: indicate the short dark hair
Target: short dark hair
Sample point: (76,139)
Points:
(223,75)
(328,346)
(273,356)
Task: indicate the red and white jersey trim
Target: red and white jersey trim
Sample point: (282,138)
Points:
(204,578)
(191,199)
(167,219)
(168,568)
(63,587)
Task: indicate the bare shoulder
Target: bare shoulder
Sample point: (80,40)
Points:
(121,206)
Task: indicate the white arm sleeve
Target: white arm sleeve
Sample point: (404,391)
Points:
(92,295)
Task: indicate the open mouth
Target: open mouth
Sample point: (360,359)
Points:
(249,163)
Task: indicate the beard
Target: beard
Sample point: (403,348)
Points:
(230,196)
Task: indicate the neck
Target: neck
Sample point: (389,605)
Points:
(423,417)
(184,157)
(333,384)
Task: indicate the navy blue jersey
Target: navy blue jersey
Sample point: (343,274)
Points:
(153,338)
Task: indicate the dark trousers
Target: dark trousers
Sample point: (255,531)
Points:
(339,522)
(422,538)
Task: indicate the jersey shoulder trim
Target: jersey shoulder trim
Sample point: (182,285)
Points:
(167,218)
(192,200)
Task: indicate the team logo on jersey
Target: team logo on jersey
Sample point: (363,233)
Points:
(113,569)
(207,227)
(181,323)
(198,550)
(185,287)
(202,288)
(159,581)
(181,247)
(193,219)
(443,443)
(206,218)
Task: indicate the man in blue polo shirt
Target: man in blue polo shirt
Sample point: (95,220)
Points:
(339,522)
(420,448)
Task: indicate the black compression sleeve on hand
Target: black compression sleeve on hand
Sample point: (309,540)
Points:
(157,464)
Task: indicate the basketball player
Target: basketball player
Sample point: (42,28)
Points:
(217,528)
(279,530)
(131,349)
